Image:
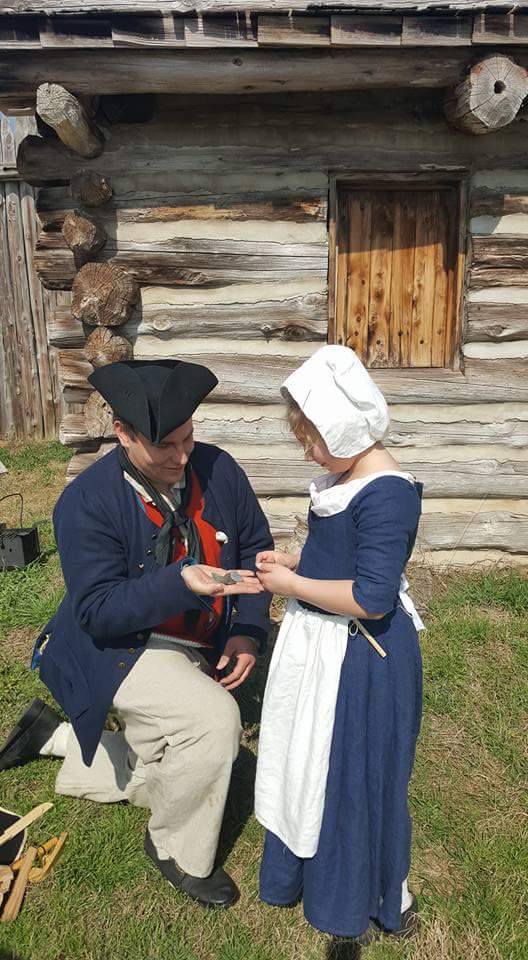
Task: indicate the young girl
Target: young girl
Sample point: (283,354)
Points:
(342,705)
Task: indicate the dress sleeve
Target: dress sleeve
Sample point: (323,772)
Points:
(386,517)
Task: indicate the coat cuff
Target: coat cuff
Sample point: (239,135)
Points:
(202,599)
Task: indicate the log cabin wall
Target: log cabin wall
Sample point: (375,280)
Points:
(30,396)
(220,212)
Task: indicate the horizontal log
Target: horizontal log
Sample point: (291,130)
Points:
(460,531)
(74,368)
(481,277)
(497,203)
(500,226)
(507,252)
(503,350)
(496,321)
(194,252)
(296,134)
(196,71)
(63,331)
(496,426)
(257,379)
(476,528)
(56,267)
(55,205)
(295,318)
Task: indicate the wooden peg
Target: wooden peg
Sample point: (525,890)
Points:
(15,898)
(24,822)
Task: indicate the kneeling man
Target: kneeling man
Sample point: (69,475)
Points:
(145,626)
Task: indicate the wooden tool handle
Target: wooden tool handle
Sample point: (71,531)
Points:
(373,642)
(24,822)
(14,900)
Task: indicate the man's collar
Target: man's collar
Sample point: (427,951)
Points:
(179,485)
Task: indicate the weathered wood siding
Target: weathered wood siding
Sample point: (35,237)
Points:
(29,387)
(221,215)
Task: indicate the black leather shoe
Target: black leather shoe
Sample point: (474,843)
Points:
(35,727)
(217,890)
(410,921)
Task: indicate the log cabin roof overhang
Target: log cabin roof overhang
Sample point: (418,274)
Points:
(257,46)
(259,24)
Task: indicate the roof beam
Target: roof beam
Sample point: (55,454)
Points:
(244,71)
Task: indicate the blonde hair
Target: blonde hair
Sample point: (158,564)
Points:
(302,428)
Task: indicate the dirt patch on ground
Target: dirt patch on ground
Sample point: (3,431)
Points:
(18,643)
(40,491)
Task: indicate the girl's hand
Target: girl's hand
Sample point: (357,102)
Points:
(197,577)
(276,578)
(289,560)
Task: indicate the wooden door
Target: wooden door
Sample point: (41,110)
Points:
(395,296)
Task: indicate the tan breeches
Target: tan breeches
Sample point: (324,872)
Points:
(180,737)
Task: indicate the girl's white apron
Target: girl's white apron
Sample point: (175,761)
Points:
(300,700)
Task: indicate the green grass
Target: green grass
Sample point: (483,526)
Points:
(470,860)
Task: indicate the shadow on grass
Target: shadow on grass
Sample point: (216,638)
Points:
(343,950)
(239,806)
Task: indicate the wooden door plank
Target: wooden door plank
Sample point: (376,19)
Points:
(456,243)
(424,280)
(358,271)
(442,285)
(402,279)
(341,285)
(380,278)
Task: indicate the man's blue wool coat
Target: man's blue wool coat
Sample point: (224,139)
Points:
(116,594)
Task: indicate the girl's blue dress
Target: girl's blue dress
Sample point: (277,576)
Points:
(363,855)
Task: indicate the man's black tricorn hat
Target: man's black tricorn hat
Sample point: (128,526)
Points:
(153,396)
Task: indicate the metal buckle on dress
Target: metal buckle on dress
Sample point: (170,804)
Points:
(356,631)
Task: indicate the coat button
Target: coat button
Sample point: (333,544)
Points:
(149,553)
(140,636)
(141,566)
(121,665)
(131,649)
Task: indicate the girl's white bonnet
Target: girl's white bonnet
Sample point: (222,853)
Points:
(335,392)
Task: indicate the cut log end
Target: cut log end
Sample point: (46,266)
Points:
(489,98)
(83,234)
(90,188)
(103,346)
(103,295)
(98,417)
(67,116)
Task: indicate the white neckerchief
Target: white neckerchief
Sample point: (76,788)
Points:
(328,496)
